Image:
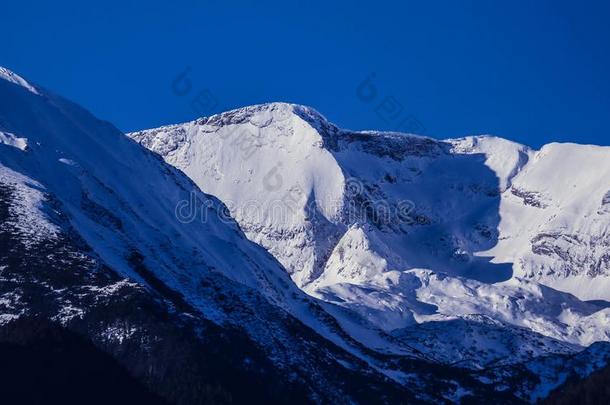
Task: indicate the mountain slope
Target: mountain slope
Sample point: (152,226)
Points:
(104,239)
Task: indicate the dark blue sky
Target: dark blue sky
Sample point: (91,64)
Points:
(532,71)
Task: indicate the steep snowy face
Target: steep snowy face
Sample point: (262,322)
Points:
(14,78)
(554,213)
(120,198)
(361,218)
(271,169)
(555,224)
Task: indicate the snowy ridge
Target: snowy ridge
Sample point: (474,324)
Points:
(13,77)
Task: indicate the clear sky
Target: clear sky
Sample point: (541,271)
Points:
(531,71)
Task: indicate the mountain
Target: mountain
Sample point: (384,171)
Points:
(405,229)
(90,240)
(111,255)
(428,240)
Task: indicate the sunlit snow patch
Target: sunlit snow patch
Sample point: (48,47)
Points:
(9,139)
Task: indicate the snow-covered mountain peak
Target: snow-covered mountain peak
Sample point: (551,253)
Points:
(289,119)
(13,77)
(263,115)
